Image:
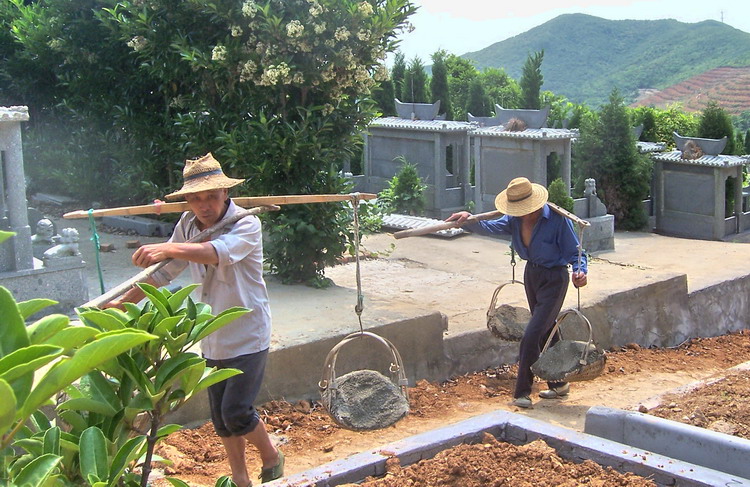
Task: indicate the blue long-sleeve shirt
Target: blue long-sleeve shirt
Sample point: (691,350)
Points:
(553,241)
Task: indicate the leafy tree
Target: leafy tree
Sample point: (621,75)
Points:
(275,90)
(607,152)
(649,126)
(478,103)
(715,123)
(559,196)
(500,88)
(384,95)
(461,72)
(532,81)
(439,84)
(405,191)
(398,73)
(415,82)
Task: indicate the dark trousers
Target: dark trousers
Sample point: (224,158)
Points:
(545,292)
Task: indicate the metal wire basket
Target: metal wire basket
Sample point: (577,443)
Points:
(330,382)
(555,363)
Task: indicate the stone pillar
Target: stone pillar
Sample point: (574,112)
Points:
(15,183)
(566,166)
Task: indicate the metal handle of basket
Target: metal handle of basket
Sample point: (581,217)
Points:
(397,366)
(556,329)
(493,301)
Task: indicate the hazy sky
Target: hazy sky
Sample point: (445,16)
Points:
(461,26)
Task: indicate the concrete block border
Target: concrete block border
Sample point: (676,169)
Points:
(516,429)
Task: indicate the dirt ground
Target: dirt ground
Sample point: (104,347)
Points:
(632,378)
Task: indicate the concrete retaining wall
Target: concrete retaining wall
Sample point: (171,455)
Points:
(685,442)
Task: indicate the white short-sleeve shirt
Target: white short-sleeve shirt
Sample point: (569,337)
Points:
(237,280)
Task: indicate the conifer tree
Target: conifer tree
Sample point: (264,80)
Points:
(439,84)
(397,75)
(715,124)
(606,151)
(532,81)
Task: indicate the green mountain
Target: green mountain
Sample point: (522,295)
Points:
(585,57)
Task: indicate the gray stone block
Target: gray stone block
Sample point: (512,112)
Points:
(142,226)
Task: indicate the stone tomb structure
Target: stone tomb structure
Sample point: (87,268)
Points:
(690,185)
(59,275)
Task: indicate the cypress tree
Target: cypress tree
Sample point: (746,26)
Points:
(439,84)
(532,81)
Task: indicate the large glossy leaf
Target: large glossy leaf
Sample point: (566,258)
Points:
(175,301)
(28,308)
(36,472)
(213,377)
(129,452)
(87,358)
(72,337)
(52,441)
(225,317)
(46,327)
(103,320)
(156,298)
(7,407)
(172,367)
(87,404)
(13,333)
(93,454)
(27,360)
(101,389)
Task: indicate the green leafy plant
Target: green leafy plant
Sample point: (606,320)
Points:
(405,191)
(559,196)
(61,354)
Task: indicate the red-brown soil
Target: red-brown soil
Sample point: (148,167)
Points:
(309,438)
(728,86)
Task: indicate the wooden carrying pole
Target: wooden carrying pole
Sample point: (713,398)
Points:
(490,215)
(147,272)
(244,202)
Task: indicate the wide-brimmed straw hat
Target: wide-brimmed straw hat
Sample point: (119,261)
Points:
(203,174)
(521,197)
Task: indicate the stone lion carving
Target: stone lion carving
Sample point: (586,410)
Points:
(44,231)
(589,188)
(67,245)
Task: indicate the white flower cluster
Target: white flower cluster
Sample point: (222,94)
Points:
(247,71)
(219,53)
(294,29)
(341,34)
(273,75)
(138,43)
(365,9)
(249,8)
(315,8)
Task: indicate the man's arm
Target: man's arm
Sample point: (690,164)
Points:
(200,253)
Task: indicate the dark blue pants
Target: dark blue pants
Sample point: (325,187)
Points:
(545,292)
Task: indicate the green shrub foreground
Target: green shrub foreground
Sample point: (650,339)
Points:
(85,405)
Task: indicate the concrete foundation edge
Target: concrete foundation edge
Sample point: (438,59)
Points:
(516,429)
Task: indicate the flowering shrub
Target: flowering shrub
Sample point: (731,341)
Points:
(277,90)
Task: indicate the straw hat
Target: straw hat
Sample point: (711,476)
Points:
(203,174)
(521,197)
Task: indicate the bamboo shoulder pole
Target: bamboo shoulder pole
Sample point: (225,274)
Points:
(148,272)
(490,215)
(244,202)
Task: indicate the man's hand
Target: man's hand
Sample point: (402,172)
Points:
(579,279)
(459,217)
(148,255)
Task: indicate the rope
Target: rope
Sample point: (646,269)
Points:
(360,306)
(95,239)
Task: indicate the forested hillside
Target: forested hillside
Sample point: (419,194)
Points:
(585,57)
